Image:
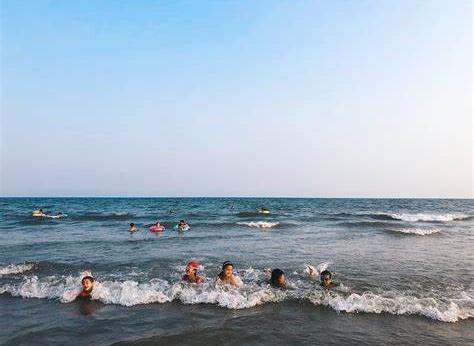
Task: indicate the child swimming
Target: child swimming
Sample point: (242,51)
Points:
(326,279)
(87,286)
(191,273)
(133,228)
(226,276)
(278,278)
(182,226)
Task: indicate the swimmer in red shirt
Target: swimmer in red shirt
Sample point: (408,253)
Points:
(87,286)
(191,273)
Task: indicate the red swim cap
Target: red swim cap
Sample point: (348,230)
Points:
(194,264)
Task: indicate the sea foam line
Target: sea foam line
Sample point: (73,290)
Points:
(254,293)
(417,231)
(16,268)
(259,224)
(428,217)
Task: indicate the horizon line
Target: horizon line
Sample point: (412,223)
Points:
(235,197)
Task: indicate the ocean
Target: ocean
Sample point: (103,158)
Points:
(405,269)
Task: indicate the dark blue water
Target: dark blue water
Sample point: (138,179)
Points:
(405,269)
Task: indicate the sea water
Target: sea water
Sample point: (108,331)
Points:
(405,269)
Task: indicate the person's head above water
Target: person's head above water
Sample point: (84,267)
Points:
(278,278)
(181,222)
(325,277)
(192,268)
(87,283)
(227,270)
(132,225)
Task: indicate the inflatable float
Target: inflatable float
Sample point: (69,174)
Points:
(38,214)
(182,228)
(156,228)
(264,211)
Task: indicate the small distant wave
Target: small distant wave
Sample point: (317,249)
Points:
(417,231)
(16,268)
(259,224)
(421,217)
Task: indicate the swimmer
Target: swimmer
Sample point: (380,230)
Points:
(133,228)
(38,212)
(191,273)
(183,226)
(326,279)
(226,276)
(278,279)
(87,286)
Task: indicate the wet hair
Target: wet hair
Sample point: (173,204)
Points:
(224,265)
(132,224)
(276,273)
(88,277)
(181,221)
(326,272)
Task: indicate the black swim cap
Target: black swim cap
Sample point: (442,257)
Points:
(88,277)
(227,263)
(276,273)
(326,272)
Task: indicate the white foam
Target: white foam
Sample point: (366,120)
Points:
(255,292)
(65,289)
(315,271)
(429,217)
(398,304)
(418,231)
(259,224)
(55,216)
(16,268)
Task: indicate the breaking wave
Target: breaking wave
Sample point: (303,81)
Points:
(16,268)
(422,217)
(255,292)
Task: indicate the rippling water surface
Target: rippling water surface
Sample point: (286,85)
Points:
(405,269)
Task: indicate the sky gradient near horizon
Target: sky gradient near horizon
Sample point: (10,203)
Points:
(236,98)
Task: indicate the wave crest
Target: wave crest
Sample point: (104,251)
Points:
(398,304)
(417,231)
(16,268)
(254,293)
(426,217)
(259,224)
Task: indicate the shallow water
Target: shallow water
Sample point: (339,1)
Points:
(405,268)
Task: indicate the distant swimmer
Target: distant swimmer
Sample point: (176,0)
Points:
(157,227)
(191,273)
(133,228)
(278,278)
(227,276)
(87,286)
(326,279)
(38,213)
(182,226)
(57,216)
(264,211)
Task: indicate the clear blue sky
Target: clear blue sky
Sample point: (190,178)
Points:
(236,98)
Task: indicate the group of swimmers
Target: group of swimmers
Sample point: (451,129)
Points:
(181,226)
(225,277)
